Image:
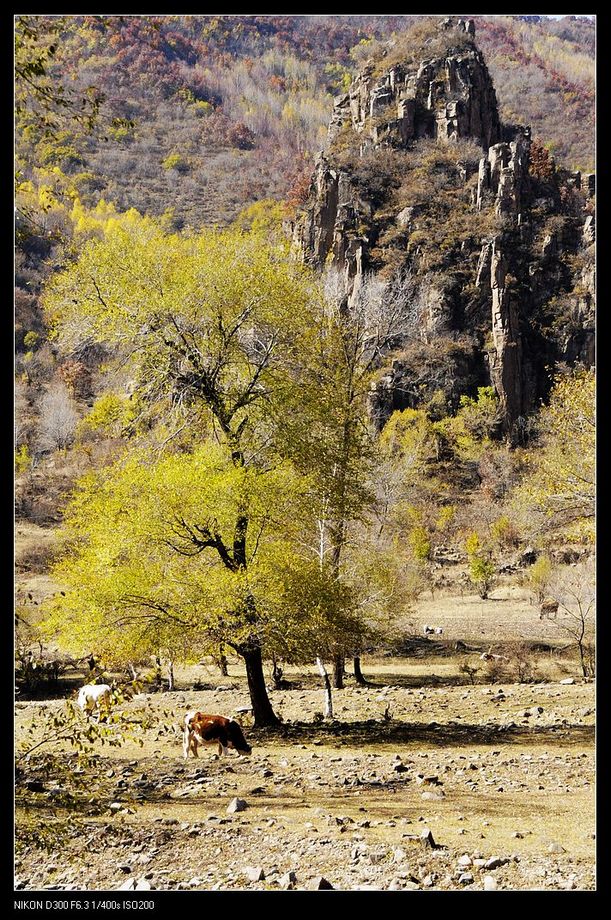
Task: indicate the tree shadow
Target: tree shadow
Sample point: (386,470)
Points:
(372,732)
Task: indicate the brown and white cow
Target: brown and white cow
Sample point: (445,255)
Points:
(201,728)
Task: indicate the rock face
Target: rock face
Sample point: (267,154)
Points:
(506,360)
(504,290)
(448,97)
(504,172)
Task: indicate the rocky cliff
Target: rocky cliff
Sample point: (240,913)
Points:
(420,177)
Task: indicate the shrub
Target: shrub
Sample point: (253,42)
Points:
(505,532)
(23,459)
(31,339)
(420,543)
(177,162)
(109,416)
(58,419)
(519,665)
(201,107)
(481,566)
(77,377)
(538,577)
(241,136)
(480,415)
(36,558)
(469,671)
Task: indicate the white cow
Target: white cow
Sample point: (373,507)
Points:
(94,697)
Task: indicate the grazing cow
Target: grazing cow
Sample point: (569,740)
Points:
(201,728)
(94,696)
(549,608)
(438,631)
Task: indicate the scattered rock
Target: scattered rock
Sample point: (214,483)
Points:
(254,874)
(555,848)
(320,883)
(287,881)
(568,680)
(466,878)
(490,883)
(236,805)
(464,860)
(426,837)
(143,885)
(129,885)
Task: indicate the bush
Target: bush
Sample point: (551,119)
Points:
(538,578)
(58,419)
(420,543)
(241,136)
(505,532)
(481,566)
(109,416)
(177,162)
(23,459)
(517,666)
(36,558)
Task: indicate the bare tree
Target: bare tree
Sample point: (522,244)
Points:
(58,419)
(21,410)
(575,592)
(365,318)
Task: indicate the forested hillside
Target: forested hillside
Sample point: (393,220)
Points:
(229,110)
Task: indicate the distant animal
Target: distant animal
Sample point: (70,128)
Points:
(93,697)
(201,728)
(432,630)
(549,608)
(438,631)
(488,656)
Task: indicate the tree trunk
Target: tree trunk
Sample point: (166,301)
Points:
(582,656)
(276,674)
(170,674)
(358,674)
(327,684)
(261,706)
(338,672)
(221,661)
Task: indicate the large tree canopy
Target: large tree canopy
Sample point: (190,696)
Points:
(563,482)
(151,561)
(207,320)
(205,327)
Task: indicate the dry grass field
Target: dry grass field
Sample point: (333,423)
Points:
(501,774)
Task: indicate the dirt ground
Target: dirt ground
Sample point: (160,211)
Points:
(422,781)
